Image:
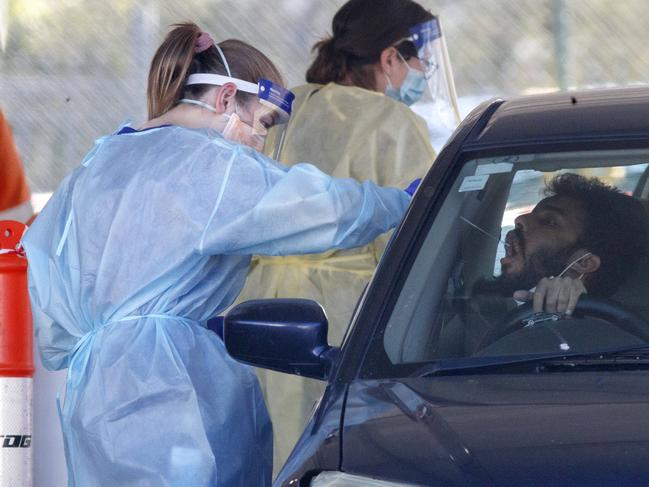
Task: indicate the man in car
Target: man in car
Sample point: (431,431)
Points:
(585,237)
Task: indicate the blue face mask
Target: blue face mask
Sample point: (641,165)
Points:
(412,88)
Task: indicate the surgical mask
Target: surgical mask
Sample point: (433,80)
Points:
(569,266)
(412,88)
(238,131)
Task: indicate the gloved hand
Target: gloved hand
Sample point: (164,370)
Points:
(413,187)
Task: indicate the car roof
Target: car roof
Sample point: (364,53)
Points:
(566,116)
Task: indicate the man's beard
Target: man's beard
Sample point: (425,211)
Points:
(543,263)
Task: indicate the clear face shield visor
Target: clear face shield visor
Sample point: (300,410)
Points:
(438,104)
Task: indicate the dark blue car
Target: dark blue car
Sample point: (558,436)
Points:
(443,379)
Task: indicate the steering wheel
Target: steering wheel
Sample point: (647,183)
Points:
(587,305)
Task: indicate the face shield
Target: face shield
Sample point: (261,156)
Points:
(438,105)
(273,107)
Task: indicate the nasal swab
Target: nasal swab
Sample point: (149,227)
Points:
(498,239)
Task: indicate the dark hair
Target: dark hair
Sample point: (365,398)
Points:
(176,59)
(361,30)
(616,228)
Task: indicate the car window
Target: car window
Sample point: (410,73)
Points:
(506,223)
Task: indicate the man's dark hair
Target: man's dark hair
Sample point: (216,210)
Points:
(616,228)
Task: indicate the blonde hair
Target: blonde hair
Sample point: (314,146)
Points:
(176,59)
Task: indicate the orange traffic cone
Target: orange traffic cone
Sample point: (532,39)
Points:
(16,361)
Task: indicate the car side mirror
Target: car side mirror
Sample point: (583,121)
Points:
(287,335)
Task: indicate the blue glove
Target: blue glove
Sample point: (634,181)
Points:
(413,187)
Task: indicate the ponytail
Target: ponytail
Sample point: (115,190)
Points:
(330,64)
(361,30)
(335,65)
(181,54)
(169,68)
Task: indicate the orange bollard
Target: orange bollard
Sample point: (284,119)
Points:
(16,361)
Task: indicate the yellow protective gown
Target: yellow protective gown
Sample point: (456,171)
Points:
(347,132)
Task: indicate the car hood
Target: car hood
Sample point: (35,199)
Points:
(519,429)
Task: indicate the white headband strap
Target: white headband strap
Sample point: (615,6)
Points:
(225,61)
(220,80)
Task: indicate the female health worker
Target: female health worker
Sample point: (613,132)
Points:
(353,120)
(151,236)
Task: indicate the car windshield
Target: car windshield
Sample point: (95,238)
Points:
(548,224)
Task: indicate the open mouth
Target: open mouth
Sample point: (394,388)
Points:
(513,248)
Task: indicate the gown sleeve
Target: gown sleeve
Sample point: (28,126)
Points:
(265,208)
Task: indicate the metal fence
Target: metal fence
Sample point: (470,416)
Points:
(73,70)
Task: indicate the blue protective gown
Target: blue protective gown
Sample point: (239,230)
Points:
(139,246)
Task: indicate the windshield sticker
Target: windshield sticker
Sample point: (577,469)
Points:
(495,168)
(473,183)
(509,159)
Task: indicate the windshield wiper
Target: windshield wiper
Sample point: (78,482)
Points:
(624,358)
(636,357)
